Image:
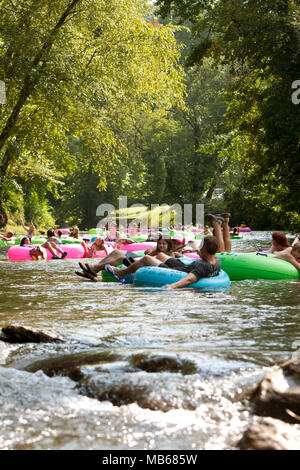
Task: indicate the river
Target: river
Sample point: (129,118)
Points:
(172,367)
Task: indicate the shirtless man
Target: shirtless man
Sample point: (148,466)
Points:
(291,254)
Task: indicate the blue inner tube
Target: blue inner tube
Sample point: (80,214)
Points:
(151,276)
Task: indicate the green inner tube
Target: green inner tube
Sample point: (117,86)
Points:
(240,266)
(66,240)
(6,243)
(34,240)
(107,278)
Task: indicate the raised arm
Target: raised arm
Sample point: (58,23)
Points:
(24,226)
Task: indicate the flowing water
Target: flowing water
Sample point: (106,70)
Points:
(171,368)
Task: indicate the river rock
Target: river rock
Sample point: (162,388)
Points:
(21,334)
(66,364)
(160,363)
(151,391)
(270,434)
(278,393)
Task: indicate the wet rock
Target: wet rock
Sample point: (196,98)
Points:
(145,391)
(67,365)
(164,363)
(278,394)
(20,334)
(270,434)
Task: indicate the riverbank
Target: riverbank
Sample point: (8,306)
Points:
(18,229)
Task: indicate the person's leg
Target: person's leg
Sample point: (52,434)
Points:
(226,235)
(49,247)
(114,258)
(147,260)
(58,248)
(162,257)
(218,233)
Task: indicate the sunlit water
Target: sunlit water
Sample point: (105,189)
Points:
(228,338)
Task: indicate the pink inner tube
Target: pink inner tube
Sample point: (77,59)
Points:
(245,229)
(192,255)
(137,246)
(64,231)
(125,247)
(99,254)
(21,253)
(134,246)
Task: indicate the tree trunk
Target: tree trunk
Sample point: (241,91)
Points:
(216,179)
(5,162)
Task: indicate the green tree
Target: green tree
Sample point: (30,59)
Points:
(79,67)
(260,41)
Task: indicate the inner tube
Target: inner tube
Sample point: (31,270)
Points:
(36,240)
(151,276)
(107,278)
(21,253)
(236,237)
(64,231)
(95,230)
(7,242)
(134,246)
(66,240)
(103,254)
(241,266)
(245,229)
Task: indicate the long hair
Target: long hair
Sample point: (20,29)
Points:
(168,241)
(22,242)
(280,238)
(101,244)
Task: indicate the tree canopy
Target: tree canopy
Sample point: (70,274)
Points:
(78,68)
(105,100)
(260,41)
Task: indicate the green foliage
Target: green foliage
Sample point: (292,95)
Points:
(260,41)
(79,68)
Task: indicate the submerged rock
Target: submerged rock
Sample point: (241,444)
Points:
(141,388)
(21,334)
(270,434)
(164,363)
(66,364)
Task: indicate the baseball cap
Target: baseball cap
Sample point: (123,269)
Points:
(179,239)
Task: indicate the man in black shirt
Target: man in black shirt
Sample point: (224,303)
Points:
(207,266)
